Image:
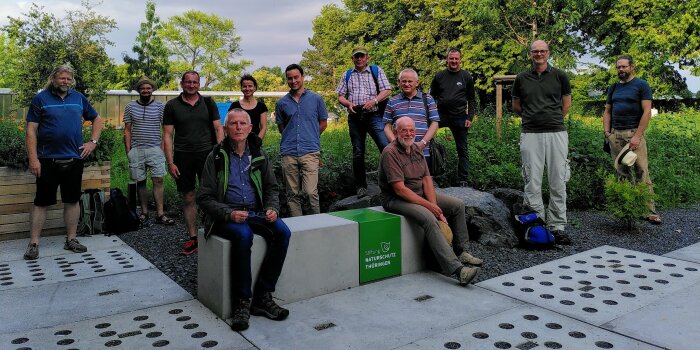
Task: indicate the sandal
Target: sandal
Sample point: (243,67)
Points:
(654,219)
(164,220)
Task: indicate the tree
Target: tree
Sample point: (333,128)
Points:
(270,79)
(45,41)
(151,54)
(10,52)
(206,43)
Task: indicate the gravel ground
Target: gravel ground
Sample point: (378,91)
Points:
(588,229)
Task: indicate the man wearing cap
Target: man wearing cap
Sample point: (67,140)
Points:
(453,90)
(361,90)
(542,97)
(626,117)
(144,147)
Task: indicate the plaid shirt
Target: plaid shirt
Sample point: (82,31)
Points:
(360,88)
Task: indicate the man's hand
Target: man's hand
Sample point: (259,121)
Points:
(35,167)
(350,109)
(271,215)
(467,123)
(173,170)
(369,104)
(239,216)
(634,142)
(86,149)
(443,218)
(422,144)
(435,210)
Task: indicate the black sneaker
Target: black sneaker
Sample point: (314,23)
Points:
(241,315)
(560,237)
(263,305)
(32,252)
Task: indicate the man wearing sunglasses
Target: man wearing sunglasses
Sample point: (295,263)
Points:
(542,97)
(239,196)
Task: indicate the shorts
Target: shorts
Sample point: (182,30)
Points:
(64,173)
(190,165)
(143,159)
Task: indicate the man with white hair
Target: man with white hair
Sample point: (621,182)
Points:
(407,189)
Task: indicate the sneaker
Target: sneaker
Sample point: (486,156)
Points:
(560,237)
(361,192)
(467,274)
(74,246)
(241,315)
(190,247)
(466,258)
(32,252)
(264,306)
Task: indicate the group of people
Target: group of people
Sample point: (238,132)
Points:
(238,191)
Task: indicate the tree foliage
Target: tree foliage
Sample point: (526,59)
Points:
(206,43)
(270,79)
(45,41)
(10,52)
(151,54)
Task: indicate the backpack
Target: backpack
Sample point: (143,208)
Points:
(375,75)
(91,217)
(531,229)
(438,154)
(119,218)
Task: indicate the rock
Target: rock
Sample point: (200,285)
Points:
(352,202)
(488,219)
(508,196)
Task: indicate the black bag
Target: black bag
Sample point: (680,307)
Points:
(438,155)
(119,218)
(91,217)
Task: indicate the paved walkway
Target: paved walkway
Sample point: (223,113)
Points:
(111,297)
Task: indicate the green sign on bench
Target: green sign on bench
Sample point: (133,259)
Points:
(380,243)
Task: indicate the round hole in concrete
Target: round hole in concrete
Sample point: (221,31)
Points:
(116,255)
(120,259)
(580,261)
(190,326)
(128,266)
(100,270)
(622,282)
(552,345)
(70,275)
(566,302)
(691,269)
(209,344)
(630,256)
(92,262)
(599,266)
(609,302)
(531,317)
(111,343)
(528,335)
(160,343)
(649,260)
(584,282)
(175,311)
(546,283)
(147,325)
(581,271)
(89,259)
(590,310)
(67,270)
(96,266)
(107,334)
(636,266)
(199,334)
(603,345)
(502,345)
(565,267)
(628,295)
(618,271)
(60,258)
(654,270)
(640,276)
(676,275)
(183,318)
(123,262)
(4,265)
(32,270)
(528,278)
(452,345)
(102,325)
(86,254)
(63,332)
(669,265)
(11,283)
(508,284)
(5,278)
(9,273)
(38,274)
(546,272)
(112,251)
(153,334)
(661,281)
(506,326)
(596,257)
(611,252)
(527,290)
(566,289)
(63,266)
(614,261)
(603,277)
(605,288)
(645,288)
(577,335)
(546,296)
(587,295)
(565,277)
(65,341)
(552,325)
(141,318)
(19,340)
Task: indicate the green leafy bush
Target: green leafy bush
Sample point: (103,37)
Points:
(626,200)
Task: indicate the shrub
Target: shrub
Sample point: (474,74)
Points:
(626,200)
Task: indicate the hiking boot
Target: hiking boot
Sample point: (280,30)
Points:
(32,252)
(74,246)
(466,258)
(467,274)
(361,192)
(560,237)
(263,305)
(241,315)
(190,247)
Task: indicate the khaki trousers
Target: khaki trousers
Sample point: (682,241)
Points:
(301,181)
(618,139)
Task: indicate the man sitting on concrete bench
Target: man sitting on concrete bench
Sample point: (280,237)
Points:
(407,189)
(239,196)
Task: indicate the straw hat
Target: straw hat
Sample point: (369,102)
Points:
(625,157)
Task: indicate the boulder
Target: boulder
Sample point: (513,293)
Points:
(352,202)
(509,197)
(488,219)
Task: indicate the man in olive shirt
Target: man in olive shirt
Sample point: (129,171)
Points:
(542,97)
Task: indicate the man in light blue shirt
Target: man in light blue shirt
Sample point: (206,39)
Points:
(301,117)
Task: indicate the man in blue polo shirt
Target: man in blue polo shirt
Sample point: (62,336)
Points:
(301,117)
(55,151)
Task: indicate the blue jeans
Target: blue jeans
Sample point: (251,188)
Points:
(359,127)
(276,234)
(459,132)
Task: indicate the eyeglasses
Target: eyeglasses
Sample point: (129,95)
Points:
(538,52)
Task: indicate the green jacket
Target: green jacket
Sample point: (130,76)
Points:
(214,182)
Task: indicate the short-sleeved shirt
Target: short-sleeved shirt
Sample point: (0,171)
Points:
(360,87)
(302,132)
(194,131)
(60,131)
(626,102)
(240,191)
(255,113)
(540,97)
(401,106)
(397,165)
(145,120)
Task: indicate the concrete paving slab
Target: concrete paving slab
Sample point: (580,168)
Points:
(690,253)
(380,315)
(528,327)
(58,303)
(598,285)
(671,322)
(184,325)
(53,245)
(76,266)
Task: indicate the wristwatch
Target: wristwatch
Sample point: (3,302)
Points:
(93,141)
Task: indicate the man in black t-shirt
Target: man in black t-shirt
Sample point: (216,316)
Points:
(453,90)
(194,121)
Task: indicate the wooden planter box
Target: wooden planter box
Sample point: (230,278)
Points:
(17,189)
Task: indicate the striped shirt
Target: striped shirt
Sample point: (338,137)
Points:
(145,123)
(401,106)
(361,88)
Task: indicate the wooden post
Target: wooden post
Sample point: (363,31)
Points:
(499,109)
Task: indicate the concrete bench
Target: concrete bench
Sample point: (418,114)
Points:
(321,259)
